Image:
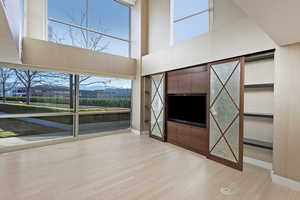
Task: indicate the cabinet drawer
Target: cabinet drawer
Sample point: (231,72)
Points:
(172,131)
(199,139)
(183,135)
(187,136)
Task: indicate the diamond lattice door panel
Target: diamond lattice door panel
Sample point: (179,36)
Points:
(226,112)
(157,119)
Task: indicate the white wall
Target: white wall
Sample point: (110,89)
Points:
(279,19)
(159,25)
(287,112)
(62,58)
(233,34)
(139,30)
(36,16)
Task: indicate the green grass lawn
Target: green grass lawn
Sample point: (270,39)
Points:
(14,128)
(85,119)
(15,108)
(22,108)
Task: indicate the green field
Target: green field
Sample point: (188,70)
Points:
(15,127)
(99,102)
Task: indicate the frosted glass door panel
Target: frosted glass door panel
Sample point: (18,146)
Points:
(225,111)
(157,106)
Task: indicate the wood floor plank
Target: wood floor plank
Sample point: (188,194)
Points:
(128,167)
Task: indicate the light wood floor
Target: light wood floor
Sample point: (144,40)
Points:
(125,167)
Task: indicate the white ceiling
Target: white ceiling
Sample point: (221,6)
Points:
(280,19)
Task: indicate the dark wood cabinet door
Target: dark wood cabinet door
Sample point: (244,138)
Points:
(172,82)
(199,80)
(187,136)
(190,80)
(183,136)
(199,139)
(184,81)
(172,132)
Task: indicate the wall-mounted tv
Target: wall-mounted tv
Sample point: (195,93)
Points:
(187,108)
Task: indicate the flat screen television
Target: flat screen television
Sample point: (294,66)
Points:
(187,108)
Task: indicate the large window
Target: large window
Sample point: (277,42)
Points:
(104,104)
(190,19)
(100,25)
(34,106)
(38,105)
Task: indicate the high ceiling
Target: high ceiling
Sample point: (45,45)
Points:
(9,47)
(278,18)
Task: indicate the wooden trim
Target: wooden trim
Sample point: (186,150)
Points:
(225,162)
(242,92)
(165,107)
(208,111)
(156,137)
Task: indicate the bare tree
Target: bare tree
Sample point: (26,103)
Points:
(28,79)
(5,75)
(80,38)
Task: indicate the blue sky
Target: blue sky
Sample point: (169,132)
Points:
(193,26)
(58,79)
(110,83)
(113,18)
(183,8)
(105,16)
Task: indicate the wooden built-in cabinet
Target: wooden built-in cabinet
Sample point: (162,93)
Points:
(187,136)
(194,80)
(188,81)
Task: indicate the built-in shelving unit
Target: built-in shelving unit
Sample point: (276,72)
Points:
(258,86)
(252,87)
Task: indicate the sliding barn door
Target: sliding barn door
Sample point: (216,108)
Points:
(157,116)
(226,112)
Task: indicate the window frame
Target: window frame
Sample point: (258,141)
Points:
(92,30)
(76,113)
(209,10)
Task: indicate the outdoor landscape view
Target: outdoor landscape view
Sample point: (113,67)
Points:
(40,93)
(34,94)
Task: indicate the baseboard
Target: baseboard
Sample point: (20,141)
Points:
(259,163)
(294,185)
(145,133)
(137,132)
